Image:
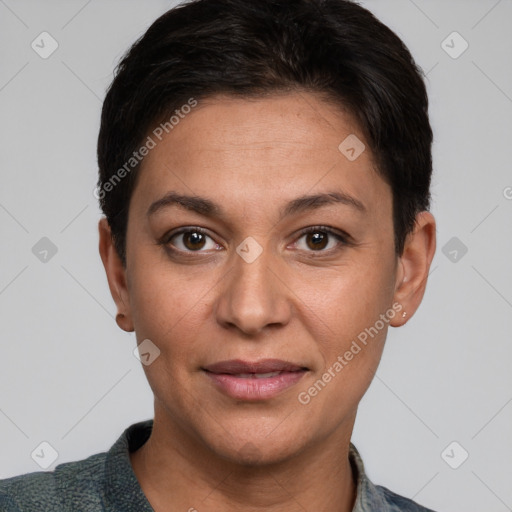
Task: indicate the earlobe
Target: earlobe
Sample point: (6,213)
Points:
(124,323)
(116,276)
(414,266)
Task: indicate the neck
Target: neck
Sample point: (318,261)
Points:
(178,472)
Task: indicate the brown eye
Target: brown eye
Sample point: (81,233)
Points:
(317,240)
(191,240)
(320,239)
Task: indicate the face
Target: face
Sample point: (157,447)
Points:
(259,277)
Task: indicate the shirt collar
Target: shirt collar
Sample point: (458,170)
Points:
(368,497)
(122,489)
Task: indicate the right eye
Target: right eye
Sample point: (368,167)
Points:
(191,239)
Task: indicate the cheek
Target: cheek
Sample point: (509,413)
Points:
(168,310)
(348,306)
(167,304)
(362,325)
(348,297)
(350,353)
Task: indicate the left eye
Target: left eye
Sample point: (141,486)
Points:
(316,239)
(192,240)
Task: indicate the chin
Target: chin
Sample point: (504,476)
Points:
(253,449)
(252,455)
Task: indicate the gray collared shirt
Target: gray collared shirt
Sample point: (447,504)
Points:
(106,482)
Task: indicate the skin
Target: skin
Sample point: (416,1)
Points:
(294,302)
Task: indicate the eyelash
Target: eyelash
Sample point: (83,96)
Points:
(343,239)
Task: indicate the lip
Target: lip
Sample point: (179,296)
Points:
(232,378)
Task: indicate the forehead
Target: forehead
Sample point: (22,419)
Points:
(261,153)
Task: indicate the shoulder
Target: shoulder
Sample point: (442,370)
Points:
(48,491)
(397,503)
(22,491)
(7,504)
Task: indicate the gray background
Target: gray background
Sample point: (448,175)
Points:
(68,375)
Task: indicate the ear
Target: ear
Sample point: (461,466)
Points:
(116,276)
(414,266)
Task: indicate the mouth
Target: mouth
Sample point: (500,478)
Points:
(254,381)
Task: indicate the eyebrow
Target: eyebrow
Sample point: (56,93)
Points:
(208,208)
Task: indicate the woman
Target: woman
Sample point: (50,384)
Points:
(264,174)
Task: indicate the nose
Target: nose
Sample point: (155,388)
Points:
(254,297)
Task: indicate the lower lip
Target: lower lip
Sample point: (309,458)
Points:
(253,389)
